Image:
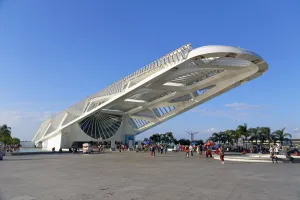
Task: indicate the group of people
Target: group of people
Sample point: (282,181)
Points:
(162,149)
(189,150)
(12,147)
(122,147)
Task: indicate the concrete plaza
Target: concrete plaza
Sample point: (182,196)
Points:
(130,175)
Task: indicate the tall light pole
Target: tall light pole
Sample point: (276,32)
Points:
(191,133)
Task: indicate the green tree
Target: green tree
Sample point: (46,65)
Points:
(254,134)
(175,141)
(184,142)
(266,131)
(274,138)
(200,142)
(262,138)
(228,136)
(223,137)
(243,131)
(15,141)
(5,134)
(5,131)
(163,138)
(212,139)
(170,136)
(281,135)
(155,138)
(235,135)
(216,137)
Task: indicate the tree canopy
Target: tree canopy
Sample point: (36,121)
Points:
(6,137)
(168,138)
(261,134)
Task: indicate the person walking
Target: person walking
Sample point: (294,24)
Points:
(187,151)
(222,154)
(199,151)
(271,150)
(166,149)
(153,151)
(274,157)
(191,149)
(276,150)
(289,155)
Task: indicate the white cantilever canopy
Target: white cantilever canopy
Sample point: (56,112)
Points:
(171,85)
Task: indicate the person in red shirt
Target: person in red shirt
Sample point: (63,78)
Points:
(217,150)
(222,153)
(187,151)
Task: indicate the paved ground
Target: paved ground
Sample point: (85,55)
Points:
(134,176)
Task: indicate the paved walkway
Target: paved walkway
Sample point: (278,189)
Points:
(132,176)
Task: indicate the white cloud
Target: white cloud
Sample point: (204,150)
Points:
(296,130)
(243,106)
(24,124)
(211,130)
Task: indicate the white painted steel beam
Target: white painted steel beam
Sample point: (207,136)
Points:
(167,87)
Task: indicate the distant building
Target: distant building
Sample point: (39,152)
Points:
(27,144)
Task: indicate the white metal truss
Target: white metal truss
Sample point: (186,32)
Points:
(159,91)
(101,125)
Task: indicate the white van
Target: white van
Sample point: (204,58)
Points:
(87,148)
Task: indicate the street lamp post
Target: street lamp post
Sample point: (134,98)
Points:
(191,133)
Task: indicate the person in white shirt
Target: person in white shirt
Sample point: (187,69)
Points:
(198,151)
(276,150)
(191,149)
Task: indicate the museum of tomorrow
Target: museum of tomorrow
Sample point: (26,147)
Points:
(165,88)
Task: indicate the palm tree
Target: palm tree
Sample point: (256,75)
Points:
(235,135)
(274,138)
(212,139)
(5,134)
(223,137)
(255,134)
(266,131)
(216,137)
(229,134)
(281,135)
(5,131)
(243,131)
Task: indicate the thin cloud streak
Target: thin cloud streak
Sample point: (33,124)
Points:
(243,106)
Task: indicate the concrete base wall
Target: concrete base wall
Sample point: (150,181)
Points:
(74,133)
(52,142)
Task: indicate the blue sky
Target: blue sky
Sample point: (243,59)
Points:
(55,53)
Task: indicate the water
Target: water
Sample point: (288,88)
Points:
(31,150)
